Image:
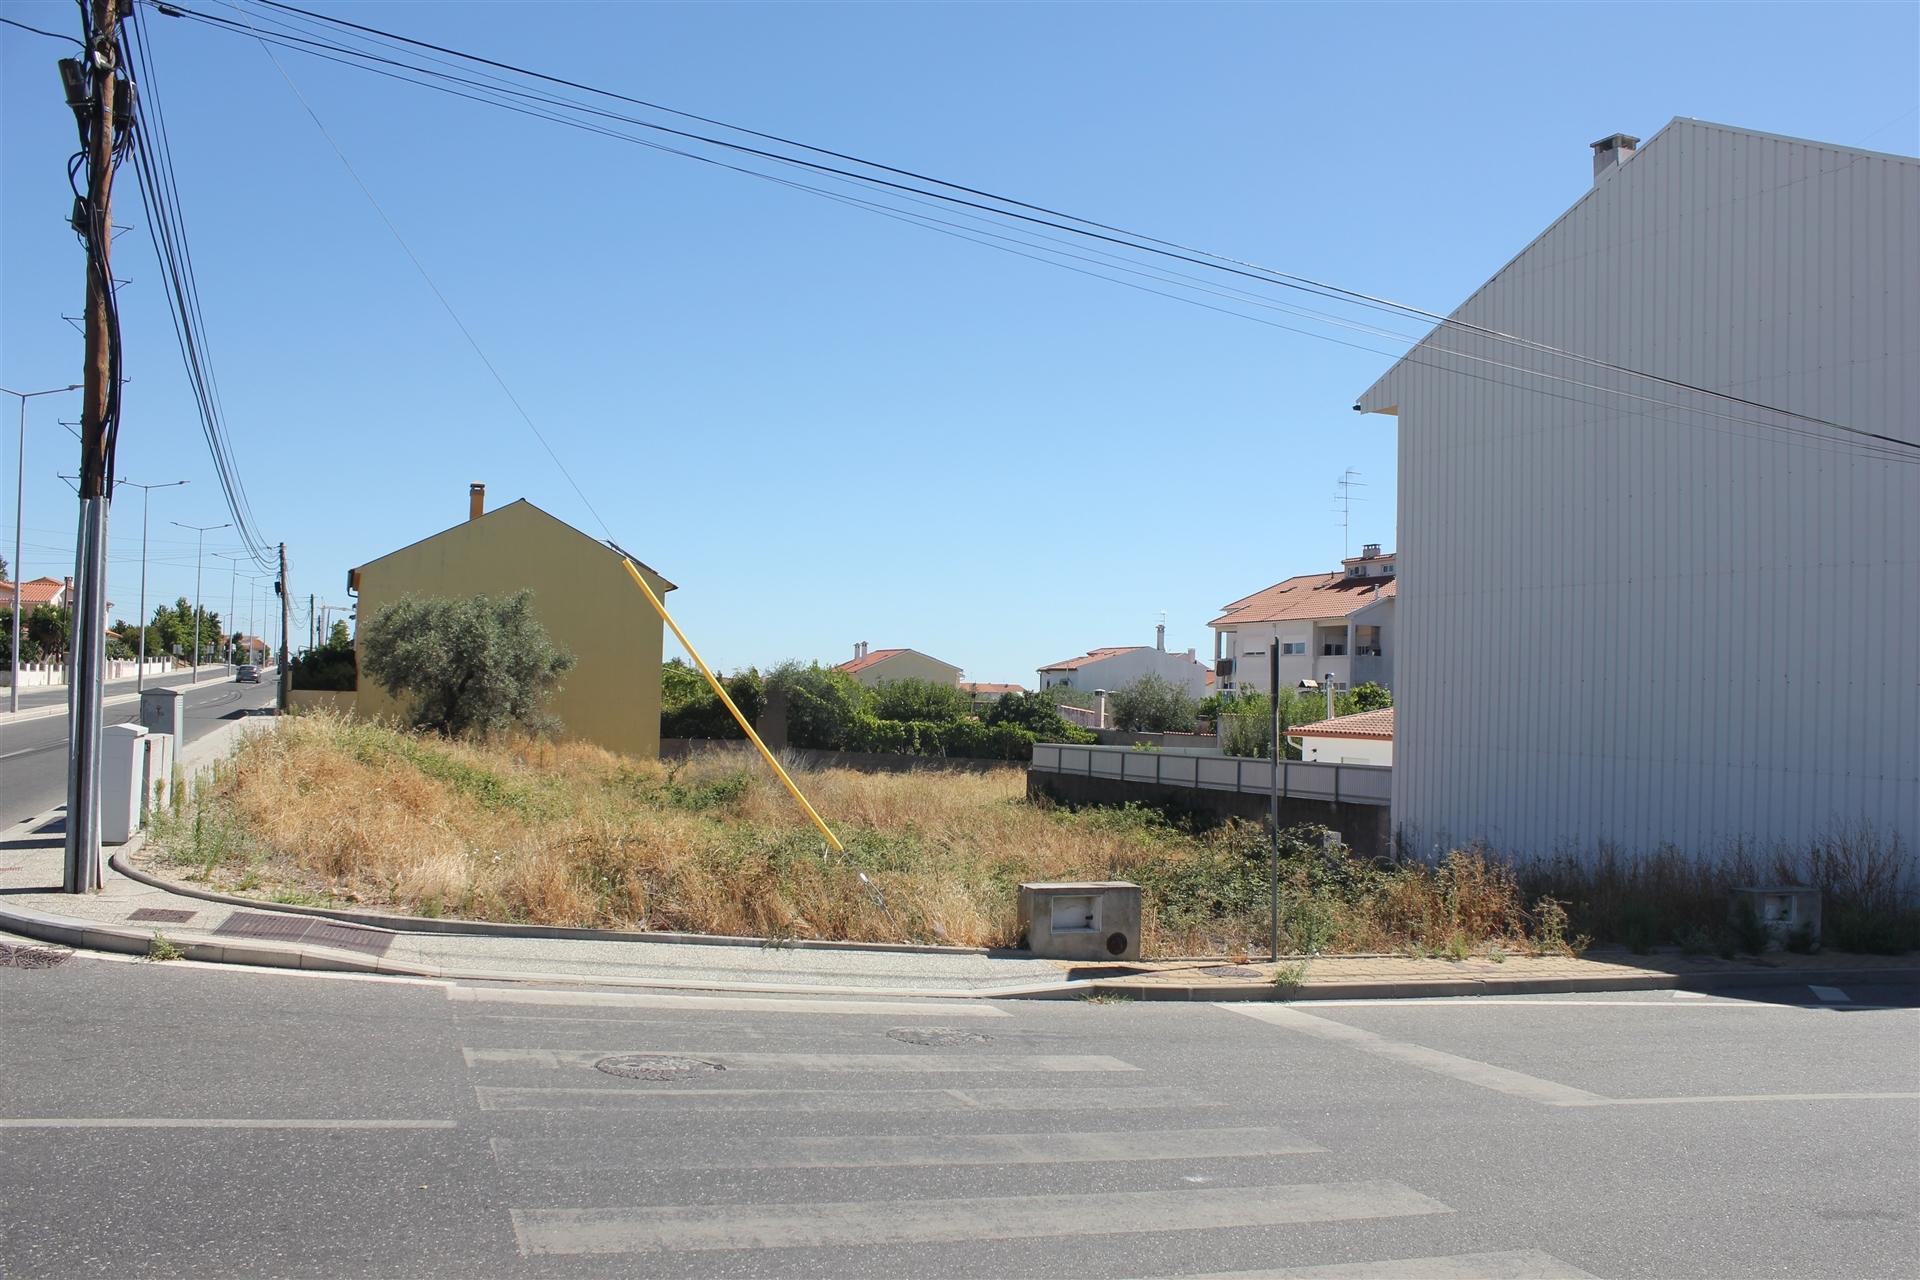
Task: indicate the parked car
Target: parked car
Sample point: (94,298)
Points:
(247,674)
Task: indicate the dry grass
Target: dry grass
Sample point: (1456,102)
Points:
(332,810)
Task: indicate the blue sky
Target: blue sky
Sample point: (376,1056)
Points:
(825,426)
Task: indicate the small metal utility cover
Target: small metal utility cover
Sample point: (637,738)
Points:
(655,1066)
(938,1037)
(1246,971)
(14,957)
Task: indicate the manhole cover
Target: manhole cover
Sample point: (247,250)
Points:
(655,1066)
(12,957)
(1245,971)
(937,1037)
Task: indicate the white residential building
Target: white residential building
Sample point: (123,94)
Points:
(1338,624)
(1113,668)
(1659,486)
(1365,737)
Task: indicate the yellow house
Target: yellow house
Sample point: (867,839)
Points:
(581,595)
(871,667)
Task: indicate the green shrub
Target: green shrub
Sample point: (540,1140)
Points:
(822,704)
(476,665)
(1153,704)
(919,700)
(690,709)
(1037,712)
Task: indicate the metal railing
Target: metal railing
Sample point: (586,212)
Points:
(1300,779)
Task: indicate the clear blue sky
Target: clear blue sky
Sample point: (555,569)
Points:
(825,426)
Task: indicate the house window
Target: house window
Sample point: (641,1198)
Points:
(1294,647)
(1357,571)
(1254,653)
(1334,649)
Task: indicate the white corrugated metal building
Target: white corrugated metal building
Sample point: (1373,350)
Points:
(1637,614)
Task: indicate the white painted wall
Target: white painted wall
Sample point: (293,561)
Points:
(1346,750)
(1124,668)
(1626,623)
(1248,646)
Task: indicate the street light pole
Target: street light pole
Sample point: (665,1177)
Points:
(146,497)
(233,598)
(19,507)
(198,560)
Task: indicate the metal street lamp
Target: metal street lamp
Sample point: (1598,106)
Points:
(233,595)
(19,507)
(203,531)
(146,496)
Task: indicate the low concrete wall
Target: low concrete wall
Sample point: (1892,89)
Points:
(1366,828)
(806,758)
(321,700)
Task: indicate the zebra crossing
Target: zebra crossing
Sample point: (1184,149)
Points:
(911,1146)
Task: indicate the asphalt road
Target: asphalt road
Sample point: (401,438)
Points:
(33,750)
(168,1120)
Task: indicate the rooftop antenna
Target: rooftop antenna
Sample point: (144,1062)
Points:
(1347,485)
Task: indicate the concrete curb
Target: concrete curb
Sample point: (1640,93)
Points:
(1448,987)
(496,929)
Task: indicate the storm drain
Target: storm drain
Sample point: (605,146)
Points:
(162,915)
(13,957)
(938,1037)
(655,1066)
(1243,971)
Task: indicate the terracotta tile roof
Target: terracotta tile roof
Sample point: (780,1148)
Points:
(1092,655)
(852,665)
(1311,595)
(1361,724)
(992,688)
(33,591)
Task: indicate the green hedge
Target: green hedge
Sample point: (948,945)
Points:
(958,739)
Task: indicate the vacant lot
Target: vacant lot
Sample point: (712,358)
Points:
(330,811)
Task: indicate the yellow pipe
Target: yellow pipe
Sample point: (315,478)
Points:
(727,702)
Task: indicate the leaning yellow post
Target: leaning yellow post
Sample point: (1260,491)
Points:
(727,702)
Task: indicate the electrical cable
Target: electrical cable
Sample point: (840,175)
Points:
(1173,248)
(1817,440)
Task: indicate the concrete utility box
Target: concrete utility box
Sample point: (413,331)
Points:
(1084,920)
(157,786)
(1783,909)
(164,711)
(123,772)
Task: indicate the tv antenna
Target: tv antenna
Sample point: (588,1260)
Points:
(1347,484)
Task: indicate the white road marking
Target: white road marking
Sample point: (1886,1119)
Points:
(686,1228)
(1689,995)
(1512,1264)
(1832,995)
(1745,1097)
(827,1100)
(737,1004)
(883,1151)
(133,1122)
(1529,1002)
(1483,1074)
(908,1063)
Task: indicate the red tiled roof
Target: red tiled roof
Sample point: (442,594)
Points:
(34,591)
(861,664)
(1361,724)
(992,688)
(1092,655)
(1311,595)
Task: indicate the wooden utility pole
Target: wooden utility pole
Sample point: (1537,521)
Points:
(96,462)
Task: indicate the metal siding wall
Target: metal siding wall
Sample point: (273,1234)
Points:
(1628,624)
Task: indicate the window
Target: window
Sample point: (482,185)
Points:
(1334,649)
(1357,571)
(1295,647)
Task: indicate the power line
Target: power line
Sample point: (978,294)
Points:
(1886,446)
(1137,241)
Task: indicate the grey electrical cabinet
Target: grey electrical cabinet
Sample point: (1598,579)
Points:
(1081,920)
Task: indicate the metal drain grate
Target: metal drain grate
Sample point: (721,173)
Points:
(324,933)
(655,1066)
(13,957)
(162,915)
(938,1037)
(1244,971)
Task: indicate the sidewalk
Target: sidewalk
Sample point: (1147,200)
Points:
(135,908)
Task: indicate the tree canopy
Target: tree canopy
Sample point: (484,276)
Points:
(476,665)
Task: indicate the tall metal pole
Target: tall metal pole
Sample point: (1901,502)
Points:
(198,561)
(19,509)
(1273,806)
(99,425)
(233,602)
(146,499)
(286,606)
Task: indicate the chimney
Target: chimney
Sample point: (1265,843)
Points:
(476,500)
(859,650)
(1371,551)
(1611,152)
(1160,637)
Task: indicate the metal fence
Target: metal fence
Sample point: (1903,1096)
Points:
(1305,779)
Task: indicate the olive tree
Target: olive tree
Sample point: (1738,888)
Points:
(477,665)
(1153,704)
